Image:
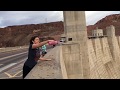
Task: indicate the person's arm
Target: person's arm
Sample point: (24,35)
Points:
(44,59)
(41,44)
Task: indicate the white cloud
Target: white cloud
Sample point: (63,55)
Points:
(9,18)
(93,16)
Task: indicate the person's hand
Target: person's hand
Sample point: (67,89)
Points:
(48,59)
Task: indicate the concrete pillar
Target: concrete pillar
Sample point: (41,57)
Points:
(113,43)
(75,25)
(114,48)
(75,51)
(110,31)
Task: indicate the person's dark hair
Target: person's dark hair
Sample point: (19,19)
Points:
(32,39)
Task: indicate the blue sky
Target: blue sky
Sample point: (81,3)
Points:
(10,18)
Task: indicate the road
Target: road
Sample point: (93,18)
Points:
(11,63)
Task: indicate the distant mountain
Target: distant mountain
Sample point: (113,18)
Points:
(21,34)
(113,19)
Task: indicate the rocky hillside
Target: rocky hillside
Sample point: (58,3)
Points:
(21,34)
(113,19)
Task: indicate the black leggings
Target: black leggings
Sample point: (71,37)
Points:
(26,70)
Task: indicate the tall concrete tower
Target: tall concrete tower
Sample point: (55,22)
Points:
(75,50)
(75,26)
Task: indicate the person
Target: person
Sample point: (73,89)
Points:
(43,48)
(44,51)
(33,54)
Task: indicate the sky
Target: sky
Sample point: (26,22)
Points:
(10,18)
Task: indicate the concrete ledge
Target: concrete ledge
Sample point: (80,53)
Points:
(48,69)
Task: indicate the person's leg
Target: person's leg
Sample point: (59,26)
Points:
(26,70)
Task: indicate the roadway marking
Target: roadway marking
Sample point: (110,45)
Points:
(12,55)
(10,76)
(15,75)
(7,66)
(19,65)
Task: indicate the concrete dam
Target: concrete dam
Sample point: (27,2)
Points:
(80,57)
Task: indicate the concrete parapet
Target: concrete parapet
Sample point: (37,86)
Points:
(48,69)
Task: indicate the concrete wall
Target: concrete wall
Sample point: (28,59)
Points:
(102,65)
(101,61)
(73,60)
(103,55)
(48,69)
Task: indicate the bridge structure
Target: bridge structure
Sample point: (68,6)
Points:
(81,57)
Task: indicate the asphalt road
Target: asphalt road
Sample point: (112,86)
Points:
(5,54)
(11,63)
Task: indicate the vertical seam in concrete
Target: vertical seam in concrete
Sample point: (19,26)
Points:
(62,64)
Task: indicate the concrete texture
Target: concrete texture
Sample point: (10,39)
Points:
(75,51)
(104,56)
(47,69)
